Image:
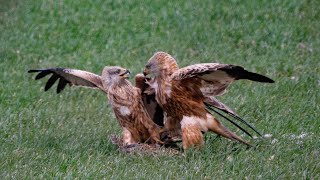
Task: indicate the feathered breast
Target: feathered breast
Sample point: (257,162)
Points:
(186,99)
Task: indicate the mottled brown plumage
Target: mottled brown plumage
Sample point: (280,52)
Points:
(125,99)
(128,107)
(149,99)
(182,93)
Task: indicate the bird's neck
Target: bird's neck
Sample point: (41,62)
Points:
(121,91)
(166,73)
(123,83)
(118,85)
(162,89)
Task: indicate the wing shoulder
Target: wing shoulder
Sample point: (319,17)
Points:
(196,70)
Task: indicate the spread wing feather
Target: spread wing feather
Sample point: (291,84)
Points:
(215,77)
(68,76)
(216,71)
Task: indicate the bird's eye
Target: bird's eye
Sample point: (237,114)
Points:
(148,66)
(114,71)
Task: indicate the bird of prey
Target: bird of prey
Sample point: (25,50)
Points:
(185,95)
(125,99)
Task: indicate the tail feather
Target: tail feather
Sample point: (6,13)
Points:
(218,128)
(235,117)
(234,123)
(245,122)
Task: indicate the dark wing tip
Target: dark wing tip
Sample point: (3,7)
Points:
(34,70)
(61,85)
(42,74)
(258,77)
(239,72)
(51,81)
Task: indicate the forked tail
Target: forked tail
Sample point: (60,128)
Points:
(216,127)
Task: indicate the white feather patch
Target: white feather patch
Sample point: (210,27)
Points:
(194,121)
(124,110)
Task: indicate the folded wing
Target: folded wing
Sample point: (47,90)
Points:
(72,77)
(149,100)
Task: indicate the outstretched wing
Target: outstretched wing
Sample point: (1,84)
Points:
(215,77)
(68,76)
(149,100)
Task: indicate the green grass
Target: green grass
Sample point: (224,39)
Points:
(45,135)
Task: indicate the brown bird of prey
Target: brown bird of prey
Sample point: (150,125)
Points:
(125,99)
(184,95)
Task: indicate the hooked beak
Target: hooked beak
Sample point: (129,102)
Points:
(125,74)
(147,69)
(147,73)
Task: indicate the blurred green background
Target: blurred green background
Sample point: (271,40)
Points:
(66,136)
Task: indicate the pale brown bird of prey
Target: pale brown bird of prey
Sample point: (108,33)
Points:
(125,99)
(186,94)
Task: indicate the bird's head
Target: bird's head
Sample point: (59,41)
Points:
(160,64)
(114,75)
